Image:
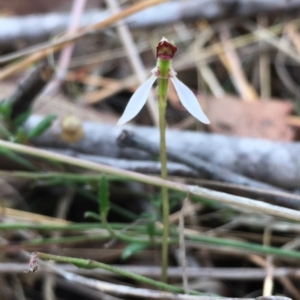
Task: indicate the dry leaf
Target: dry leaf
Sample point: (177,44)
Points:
(263,119)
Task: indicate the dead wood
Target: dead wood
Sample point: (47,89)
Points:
(146,167)
(192,167)
(36,28)
(208,170)
(276,163)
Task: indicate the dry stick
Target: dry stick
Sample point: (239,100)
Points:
(284,49)
(45,49)
(252,192)
(242,202)
(280,66)
(270,38)
(290,287)
(24,216)
(65,55)
(135,59)
(293,34)
(244,40)
(85,292)
(233,66)
(285,77)
(207,74)
(285,281)
(268,284)
(207,170)
(110,88)
(264,64)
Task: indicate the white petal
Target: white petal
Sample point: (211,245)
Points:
(189,100)
(137,101)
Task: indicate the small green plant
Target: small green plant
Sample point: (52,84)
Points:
(12,128)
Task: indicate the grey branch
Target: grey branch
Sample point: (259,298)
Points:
(276,163)
(37,28)
(142,166)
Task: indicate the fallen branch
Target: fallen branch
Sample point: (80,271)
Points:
(276,163)
(209,170)
(145,167)
(224,198)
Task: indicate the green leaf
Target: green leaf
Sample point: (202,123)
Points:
(151,229)
(92,215)
(17,158)
(41,127)
(103,196)
(5,110)
(133,248)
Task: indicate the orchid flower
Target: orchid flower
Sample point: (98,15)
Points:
(162,73)
(163,69)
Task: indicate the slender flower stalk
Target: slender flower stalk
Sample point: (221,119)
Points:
(163,72)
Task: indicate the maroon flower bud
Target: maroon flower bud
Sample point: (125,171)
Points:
(165,50)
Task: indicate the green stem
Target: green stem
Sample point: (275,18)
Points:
(91,264)
(162,103)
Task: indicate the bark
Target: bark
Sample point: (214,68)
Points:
(276,163)
(36,28)
(209,170)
